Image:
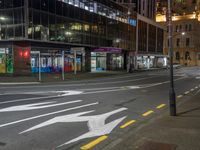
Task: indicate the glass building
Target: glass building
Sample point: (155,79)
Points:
(100,31)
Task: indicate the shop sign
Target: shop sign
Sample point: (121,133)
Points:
(35,52)
(78,49)
(2,50)
(108,50)
(132,22)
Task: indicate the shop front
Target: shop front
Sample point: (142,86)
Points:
(151,61)
(107,59)
(51,61)
(6,60)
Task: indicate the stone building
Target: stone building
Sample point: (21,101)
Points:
(186,42)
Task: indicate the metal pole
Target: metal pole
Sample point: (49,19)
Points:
(75,65)
(63,65)
(172,95)
(40,79)
(0,30)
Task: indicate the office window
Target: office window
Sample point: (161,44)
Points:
(180,28)
(178,42)
(190,27)
(177,55)
(44,5)
(186,27)
(187,56)
(187,42)
(8,3)
(18,3)
(176,28)
(52,6)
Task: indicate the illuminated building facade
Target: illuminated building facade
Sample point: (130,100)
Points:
(149,34)
(186,31)
(143,7)
(102,33)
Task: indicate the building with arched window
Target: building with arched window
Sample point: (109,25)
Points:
(186,30)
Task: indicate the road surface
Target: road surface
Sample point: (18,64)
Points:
(80,114)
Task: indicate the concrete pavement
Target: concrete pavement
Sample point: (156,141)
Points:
(168,133)
(57,77)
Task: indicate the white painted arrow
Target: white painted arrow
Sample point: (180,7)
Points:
(68,93)
(96,123)
(36,106)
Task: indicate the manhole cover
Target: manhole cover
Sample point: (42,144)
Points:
(151,145)
(2,144)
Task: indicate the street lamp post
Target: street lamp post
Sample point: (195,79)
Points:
(172,95)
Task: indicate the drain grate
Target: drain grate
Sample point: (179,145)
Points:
(152,145)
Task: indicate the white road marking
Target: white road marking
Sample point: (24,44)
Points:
(67,93)
(36,106)
(61,94)
(47,114)
(121,88)
(96,124)
(19,83)
(132,87)
(29,99)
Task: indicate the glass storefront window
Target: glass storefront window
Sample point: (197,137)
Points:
(6,60)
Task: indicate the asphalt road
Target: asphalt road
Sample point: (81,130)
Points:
(70,115)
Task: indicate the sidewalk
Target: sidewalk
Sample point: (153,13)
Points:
(168,133)
(57,77)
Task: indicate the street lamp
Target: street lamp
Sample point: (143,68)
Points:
(172,95)
(183,33)
(2,19)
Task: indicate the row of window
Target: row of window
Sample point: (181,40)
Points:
(60,6)
(186,27)
(154,36)
(186,43)
(187,56)
(78,26)
(51,27)
(181,42)
(11,3)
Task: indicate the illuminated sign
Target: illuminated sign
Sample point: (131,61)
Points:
(132,22)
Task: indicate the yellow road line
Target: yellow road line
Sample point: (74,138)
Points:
(187,92)
(180,96)
(147,113)
(127,124)
(93,143)
(161,106)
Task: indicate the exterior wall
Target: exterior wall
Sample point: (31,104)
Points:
(62,22)
(145,8)
(21,54)
(59,25)
(150,36)
(189,30)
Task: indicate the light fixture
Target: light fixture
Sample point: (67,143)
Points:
(183,33)
(2,18)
